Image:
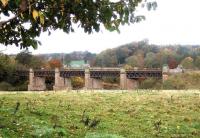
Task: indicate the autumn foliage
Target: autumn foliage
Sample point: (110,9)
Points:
(54,63)
(172,63)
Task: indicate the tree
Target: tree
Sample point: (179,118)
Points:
(24,58)
(187,63)
(172,63)
(67,59)
(8,67)
(197,62)
(122,53)
(4,63)
(37,62)
(165,54)
(107,58)
(45,15)
(151,61)
(137,60)
(27,59)
(133,61)
(54,63)
(184,51)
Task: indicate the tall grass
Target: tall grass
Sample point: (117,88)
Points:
(119,114)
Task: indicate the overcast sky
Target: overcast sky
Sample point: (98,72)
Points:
(174,22)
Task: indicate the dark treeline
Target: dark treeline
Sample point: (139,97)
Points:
(9,64)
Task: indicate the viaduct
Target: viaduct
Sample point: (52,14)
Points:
(93,77)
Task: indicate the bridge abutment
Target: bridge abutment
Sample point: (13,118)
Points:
(60,82)
(36,83)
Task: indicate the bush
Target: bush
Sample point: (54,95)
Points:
(151,84)
(21,87)
(173,84)
(110,79)
(183,81)
(77,82)
(4,86)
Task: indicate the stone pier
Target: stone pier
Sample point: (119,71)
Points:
(123,79)
(60,82)
(96,83)
(36,83)
(126,83)
(131,84)
(92,83)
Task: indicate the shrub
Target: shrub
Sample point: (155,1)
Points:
(151,84)
(21,87)
(175,84)
(183,81)
(4,86)
(77,82)
(110,80)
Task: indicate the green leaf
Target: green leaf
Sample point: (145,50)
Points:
(41,15)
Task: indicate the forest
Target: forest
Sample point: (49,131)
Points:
(144,55)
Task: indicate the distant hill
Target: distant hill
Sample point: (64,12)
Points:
(143,55)
(136,54)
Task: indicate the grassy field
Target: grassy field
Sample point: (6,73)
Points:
(102,114)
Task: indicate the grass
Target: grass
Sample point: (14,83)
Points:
(106,114)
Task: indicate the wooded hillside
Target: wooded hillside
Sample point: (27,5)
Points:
(144,55)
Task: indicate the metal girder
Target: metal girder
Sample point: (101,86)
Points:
(100,74)
(95,73)
(22,73)
(72,73)
(144,74)
(44,73)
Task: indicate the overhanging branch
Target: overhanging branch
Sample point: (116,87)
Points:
(24,6)
(5,22)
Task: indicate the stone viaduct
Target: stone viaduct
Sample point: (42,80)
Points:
(92,76)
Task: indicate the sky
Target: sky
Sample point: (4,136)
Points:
(173,22)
